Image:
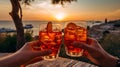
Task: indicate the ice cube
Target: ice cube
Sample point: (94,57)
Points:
(71,26)
(46,42)
(79,32)
(71,29)
(58,36)
(84,31)
(59,41)
(43,34)
(82,37)
(52,43)
(72,37)
(51,35)
(44,38)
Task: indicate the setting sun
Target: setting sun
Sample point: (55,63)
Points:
(60,16)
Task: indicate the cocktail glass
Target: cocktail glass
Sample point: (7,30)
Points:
(50,37)
(74,32)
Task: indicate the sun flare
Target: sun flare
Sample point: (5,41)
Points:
(60,16)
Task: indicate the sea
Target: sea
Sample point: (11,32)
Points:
(36,24)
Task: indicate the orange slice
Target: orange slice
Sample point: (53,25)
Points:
(49,27)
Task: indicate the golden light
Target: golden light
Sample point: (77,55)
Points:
(60,16)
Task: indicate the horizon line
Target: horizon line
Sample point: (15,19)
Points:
(52,20)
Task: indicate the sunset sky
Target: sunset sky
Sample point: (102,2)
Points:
(80,10)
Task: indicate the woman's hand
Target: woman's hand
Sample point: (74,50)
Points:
(26,55)
(27,50)
(31,54)
(96,53)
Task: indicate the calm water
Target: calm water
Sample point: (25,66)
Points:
(36,24)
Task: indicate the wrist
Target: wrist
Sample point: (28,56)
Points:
(22,57)
(14,60)
(109,61)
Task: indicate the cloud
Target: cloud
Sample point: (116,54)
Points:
(44,6)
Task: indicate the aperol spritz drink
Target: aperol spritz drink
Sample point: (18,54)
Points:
(50,38)
(73,33)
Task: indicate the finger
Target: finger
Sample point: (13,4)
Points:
(42,53)
(31,43)
(84,46)
(80,45)
(94,43)
(85,53)
(34,43)
(32,61)
(91,41)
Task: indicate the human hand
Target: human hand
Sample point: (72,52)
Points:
(31,55)
(26,55)
(96,53)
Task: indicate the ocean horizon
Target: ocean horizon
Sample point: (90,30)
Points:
(36,24)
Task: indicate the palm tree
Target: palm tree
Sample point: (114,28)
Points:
(16,15)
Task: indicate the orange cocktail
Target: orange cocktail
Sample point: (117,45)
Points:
(73,33)
(50,39)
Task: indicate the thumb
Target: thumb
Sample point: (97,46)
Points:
(42,53)
(89,48)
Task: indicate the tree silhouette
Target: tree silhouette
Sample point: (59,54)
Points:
(16,15)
